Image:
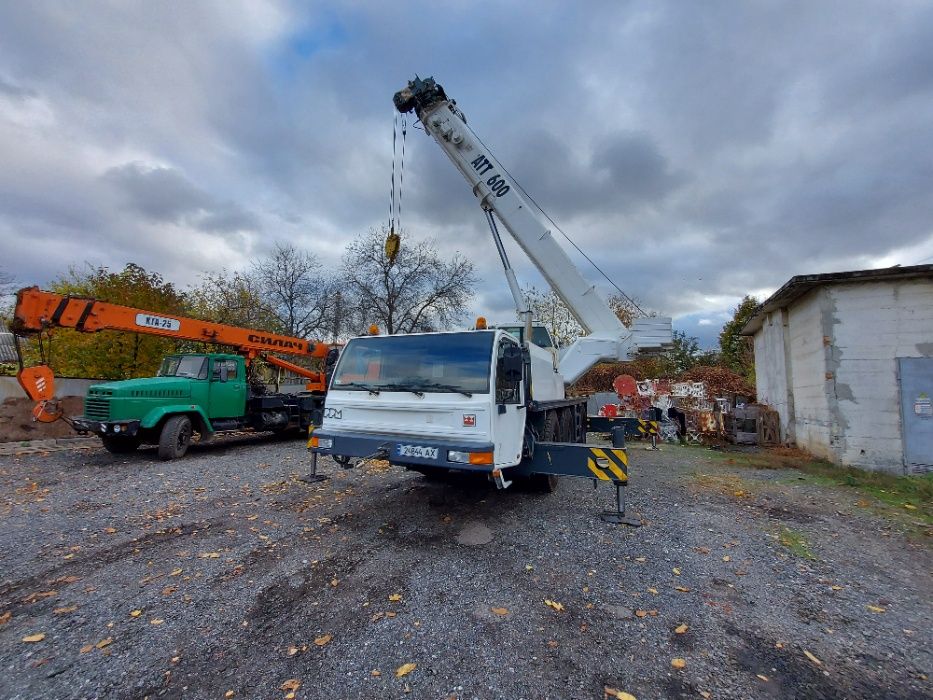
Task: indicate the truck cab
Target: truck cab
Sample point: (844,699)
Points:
(430,401)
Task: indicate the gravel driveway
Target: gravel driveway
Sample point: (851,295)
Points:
(224,575)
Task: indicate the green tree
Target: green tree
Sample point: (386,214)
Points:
(737,351)
(112,354)
(682,356)
(233,298)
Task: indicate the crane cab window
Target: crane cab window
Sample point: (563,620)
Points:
(506,392)
(231,369)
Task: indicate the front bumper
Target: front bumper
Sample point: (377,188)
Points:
(375,446)
(106,428)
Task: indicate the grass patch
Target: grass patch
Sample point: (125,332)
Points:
(911,495)
(796,543)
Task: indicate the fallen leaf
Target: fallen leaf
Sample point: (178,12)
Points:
(229,694)
(175,572)
(682,589)
(104,643)
(168,590)
(653,591)
(762,677)
(63,611)
(678,663)
(405,669)
(209,555)
(779,645)
(5,617)
(292,651)
(156,621)
(641,560)
(705,695)
(34,637)
(552,644)
(702,550)
(555,605)
(290,696)
(110,530)
(500,611)
(812,658)
(875,608)
(323,640)
(395,597)
(682,629)
(615,694)
(836,588)
(910,506)
(375,673)
(334,582)
(529,567)
(291,685)
(676,571)
(86,648)
(135,613)
(641,613)
(390,614)
(727,558)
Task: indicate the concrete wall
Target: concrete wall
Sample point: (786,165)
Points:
(872,324)
(10,388)
(827,364)
(773,372)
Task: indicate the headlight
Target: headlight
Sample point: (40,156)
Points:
(116,428)
(325,443)
(458,457)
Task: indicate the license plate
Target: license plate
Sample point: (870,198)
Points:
(417,451)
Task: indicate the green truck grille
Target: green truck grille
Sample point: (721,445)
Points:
(97,408)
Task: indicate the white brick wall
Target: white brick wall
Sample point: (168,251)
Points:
(841,368)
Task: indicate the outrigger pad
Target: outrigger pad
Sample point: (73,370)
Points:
(611,516)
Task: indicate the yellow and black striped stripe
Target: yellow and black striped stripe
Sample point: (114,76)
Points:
(613,461)
(648,427)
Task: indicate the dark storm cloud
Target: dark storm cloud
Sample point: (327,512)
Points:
(697,151)
(165,195)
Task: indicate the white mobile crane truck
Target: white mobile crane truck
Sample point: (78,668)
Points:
(483,400)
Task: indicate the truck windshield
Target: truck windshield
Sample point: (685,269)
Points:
(190,366)
(434,363)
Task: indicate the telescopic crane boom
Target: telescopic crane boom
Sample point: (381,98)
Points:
(606,337)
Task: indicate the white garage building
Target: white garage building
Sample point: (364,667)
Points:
(846,359)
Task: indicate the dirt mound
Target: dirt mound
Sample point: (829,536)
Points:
(16,420)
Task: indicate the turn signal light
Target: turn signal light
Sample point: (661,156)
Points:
(481,458)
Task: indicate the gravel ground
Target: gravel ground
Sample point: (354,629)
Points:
(223,573)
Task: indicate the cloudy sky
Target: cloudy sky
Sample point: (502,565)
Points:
(698,151)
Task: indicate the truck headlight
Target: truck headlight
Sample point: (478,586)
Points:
(323,443)
(116,428)
(458,457)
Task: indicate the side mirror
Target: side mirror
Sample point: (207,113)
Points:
(331,358)
(511,364)
(224,374)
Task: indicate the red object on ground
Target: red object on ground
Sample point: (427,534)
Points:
(625,385)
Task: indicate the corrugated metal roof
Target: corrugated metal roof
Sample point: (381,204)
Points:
(797,286)
(7,348)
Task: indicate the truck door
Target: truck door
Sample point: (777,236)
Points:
(508,418)
(228,389)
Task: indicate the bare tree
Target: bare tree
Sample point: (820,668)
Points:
(420,291)
(234,298)
(297,290)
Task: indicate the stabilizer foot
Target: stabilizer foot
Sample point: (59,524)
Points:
(610,516)
(313,478)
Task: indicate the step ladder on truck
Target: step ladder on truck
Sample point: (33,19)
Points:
(486,400)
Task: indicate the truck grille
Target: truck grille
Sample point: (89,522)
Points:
(97,408)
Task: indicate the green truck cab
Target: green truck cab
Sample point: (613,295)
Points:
(197,393)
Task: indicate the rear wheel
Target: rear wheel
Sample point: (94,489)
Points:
(175,437)
(120,445)
(547,483)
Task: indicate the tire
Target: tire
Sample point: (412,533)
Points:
(120,445)
(547,483)
(175,437)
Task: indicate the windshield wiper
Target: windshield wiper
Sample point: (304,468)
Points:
(405,387)
(366,387)
(446,387)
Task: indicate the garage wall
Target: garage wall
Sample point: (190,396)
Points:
(773,371)
(872,324)
(814,424)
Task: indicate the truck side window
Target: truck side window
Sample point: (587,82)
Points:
(506,392)
(231,369)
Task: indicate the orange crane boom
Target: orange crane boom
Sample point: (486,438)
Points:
(37,311)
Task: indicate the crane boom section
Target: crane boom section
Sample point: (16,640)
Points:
(38,310)
(497,193)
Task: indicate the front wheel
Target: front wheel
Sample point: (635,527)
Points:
(175,437)
(120,445)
